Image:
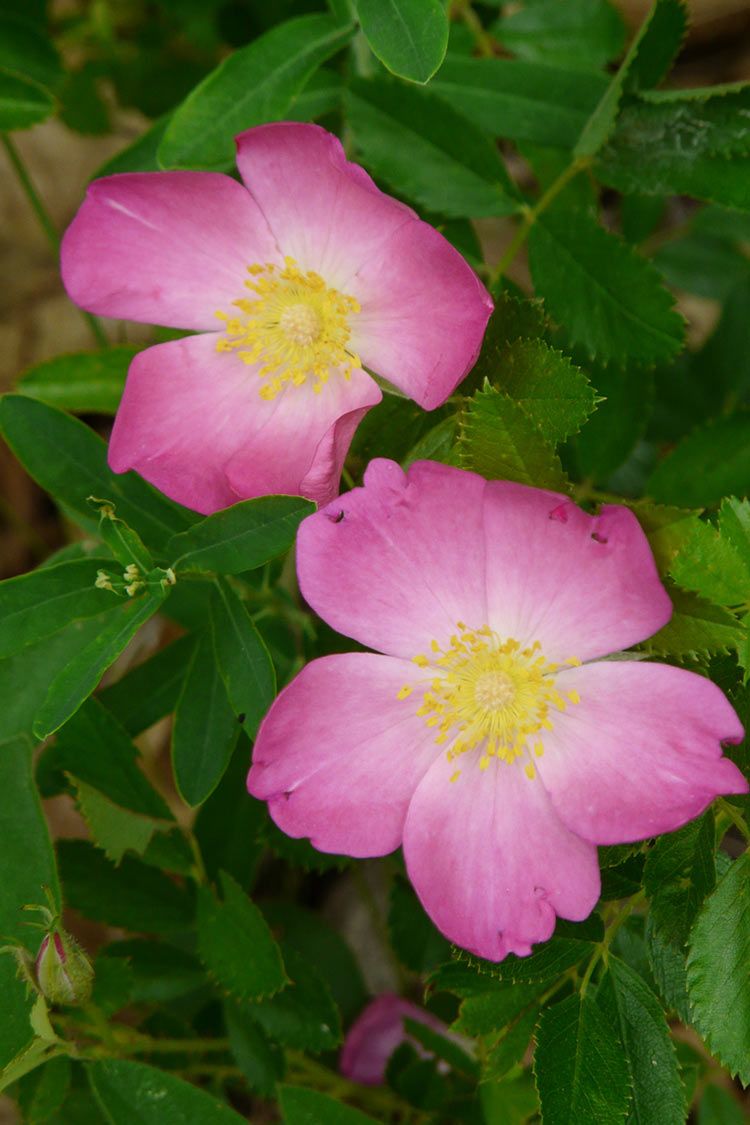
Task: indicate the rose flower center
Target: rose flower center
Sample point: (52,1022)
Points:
(490,694)
(295,328)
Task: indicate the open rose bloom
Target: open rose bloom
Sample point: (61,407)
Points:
(491,739)
(296,281)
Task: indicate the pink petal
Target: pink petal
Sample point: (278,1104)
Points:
(192,422)
(324,212)
(399,562)
(424,312)
(491,861)
(338,756)
(375,1035)
(164,247)
(581,585)
(640,754)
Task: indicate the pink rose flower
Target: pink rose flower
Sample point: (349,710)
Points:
(297,280)
(491,740)
(377,1032)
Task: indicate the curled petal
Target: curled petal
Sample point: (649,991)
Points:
(192,422)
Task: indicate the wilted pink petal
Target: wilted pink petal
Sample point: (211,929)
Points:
(375,1035)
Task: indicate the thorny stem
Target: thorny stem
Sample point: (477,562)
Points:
(45,221)
(531,214)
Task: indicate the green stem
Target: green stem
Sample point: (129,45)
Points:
(531,214)
(485,44)
(45,221)
(602,949)
(201,875)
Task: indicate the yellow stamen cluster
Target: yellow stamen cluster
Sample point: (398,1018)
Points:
(490,694)
(295,326)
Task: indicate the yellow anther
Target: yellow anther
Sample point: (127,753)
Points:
(455,775)
(530,771)
(489,694)
(294,326)
(405,692)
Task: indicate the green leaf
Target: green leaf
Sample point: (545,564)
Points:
(303,1014)
(711,462)
(308,935)
(236,945)
(133,895)
(638,1017)
(696,627)
(27,53)
(205,727)
(681,147)
(607,298)
(650,54)
(69,461)
(28,859)
(255,84)
(310,1107)
(131,1091)
(583,34)
(717,970)
(242,537)
(94,748)
(512,1045)
(520,101)
(667,529)
(409,37)
(500,441)
(659,45)
(669,969)
(678,875)
(228,826)
(426,151)
(15,1028)
(580,1073)
(493,1010)
(414,938)
(37,604)
(550,961)
(718,1107)
(709,564)
(23,103)
(321,95)
(260,1060)
(442,1047)
(620,420)
(159,972)
(85,382)
(553,391)
(243,661)
(26,676)
(701,264)
(43,1092)
(80,676)
(139,156)
(150,690)
(114,829)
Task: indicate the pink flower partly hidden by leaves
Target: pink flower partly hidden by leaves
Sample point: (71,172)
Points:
(298,278)
(378,1031)
(491,739)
